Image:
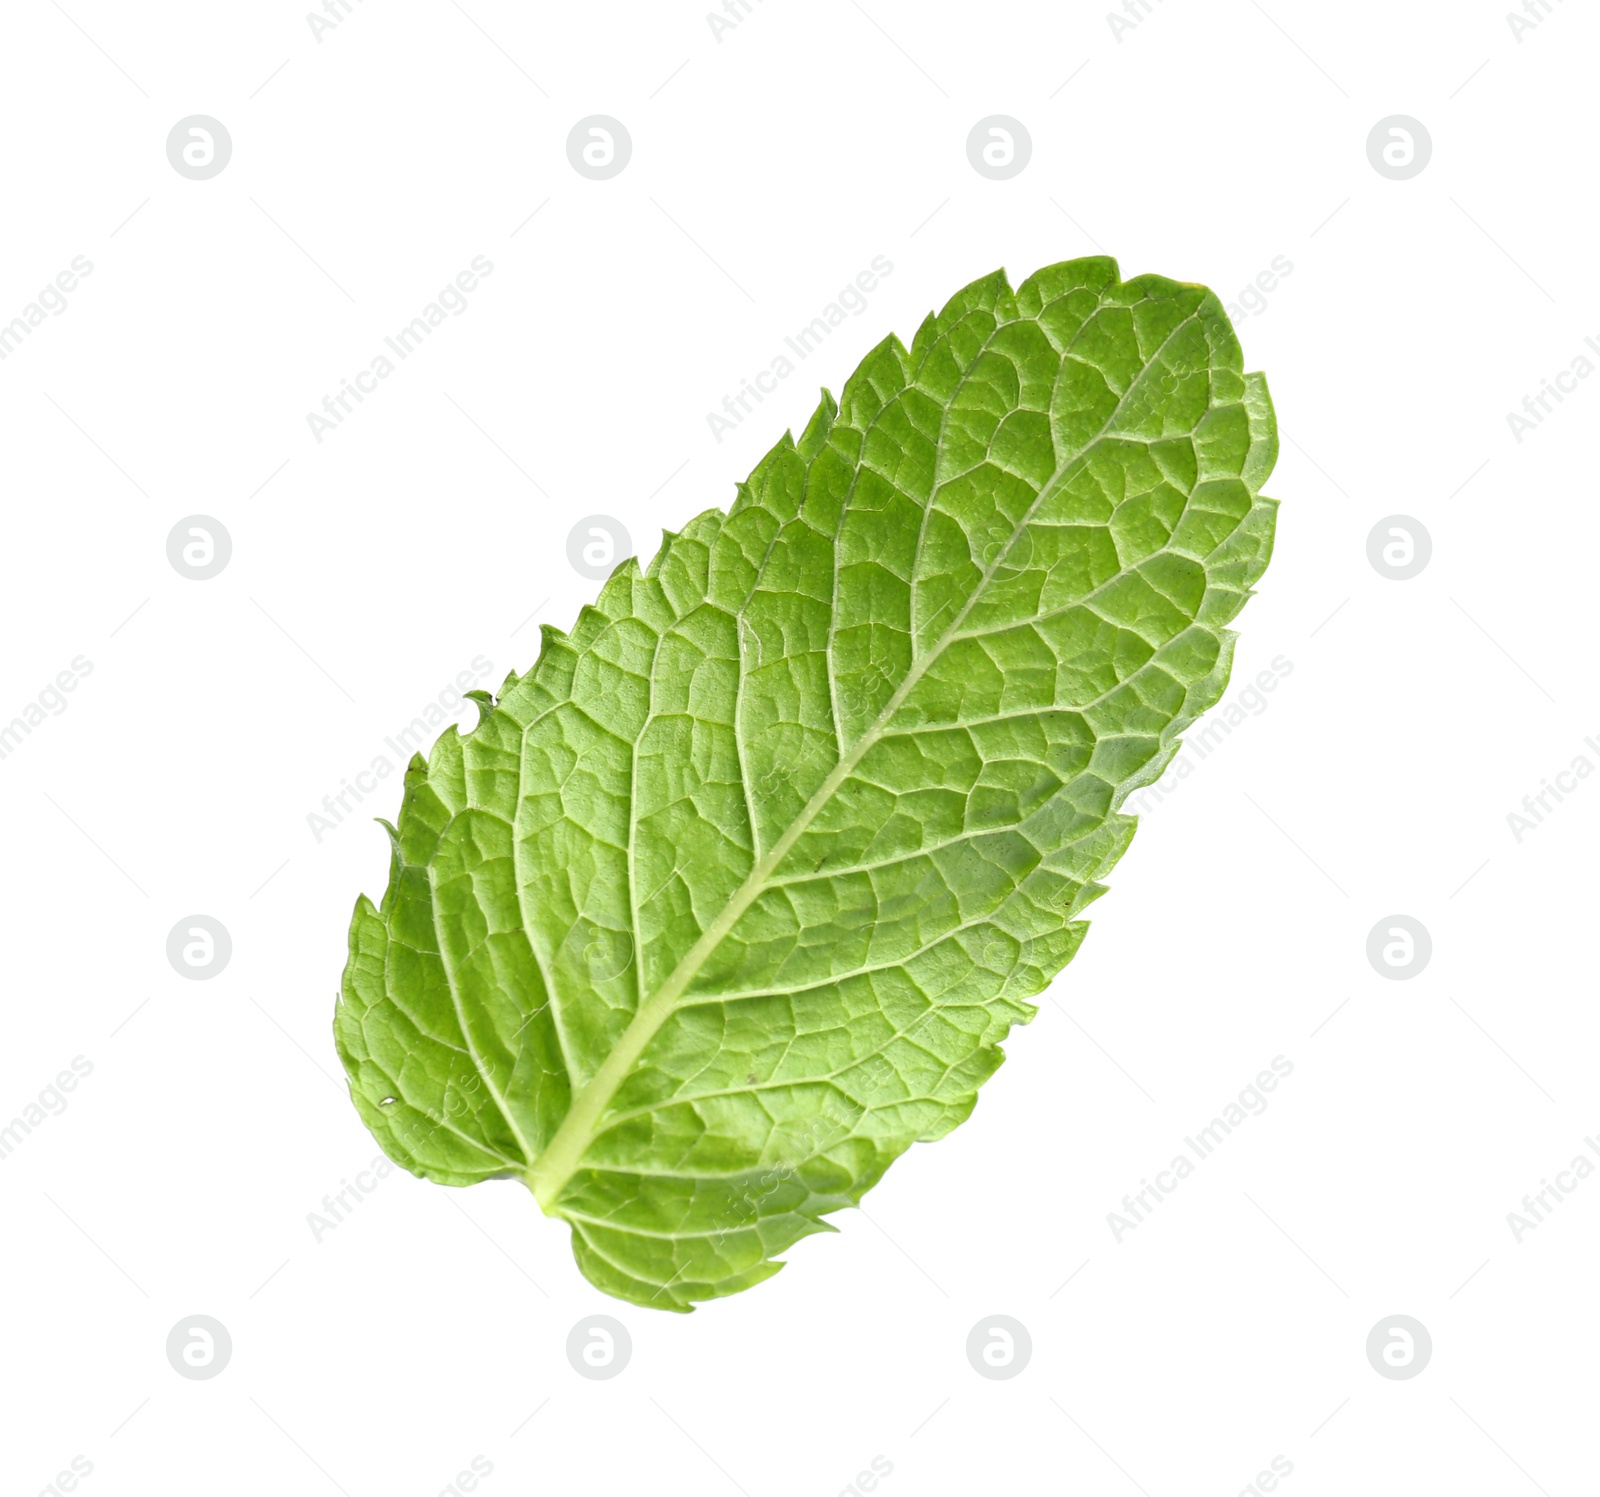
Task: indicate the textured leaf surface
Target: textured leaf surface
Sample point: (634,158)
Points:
(732,897)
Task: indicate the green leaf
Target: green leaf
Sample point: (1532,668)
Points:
(732,897)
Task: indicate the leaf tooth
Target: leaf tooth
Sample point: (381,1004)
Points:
(663,551)
(551,639)
(1045,284)
(926,335)
(485,705)
(752,486)
(987,292)
(814,438)
(590,621)
(867,391)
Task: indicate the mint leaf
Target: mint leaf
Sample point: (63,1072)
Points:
(732,897)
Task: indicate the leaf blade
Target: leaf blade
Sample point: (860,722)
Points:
(735,893)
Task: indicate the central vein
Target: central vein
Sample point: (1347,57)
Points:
(553,1168)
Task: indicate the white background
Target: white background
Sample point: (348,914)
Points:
(768,169)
